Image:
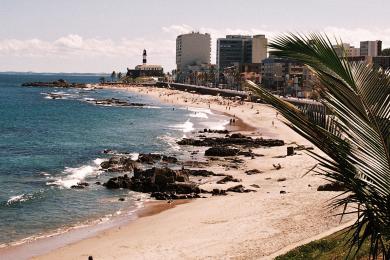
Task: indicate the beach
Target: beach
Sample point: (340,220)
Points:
(285,209)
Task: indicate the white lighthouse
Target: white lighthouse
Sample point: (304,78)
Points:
(144,58)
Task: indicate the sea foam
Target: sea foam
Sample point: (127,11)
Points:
(73,176)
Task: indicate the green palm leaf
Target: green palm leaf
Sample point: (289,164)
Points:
(354,132)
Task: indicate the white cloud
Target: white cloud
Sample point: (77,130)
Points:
(125,52)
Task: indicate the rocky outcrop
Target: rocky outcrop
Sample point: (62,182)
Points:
(151,158)
(221,151)
(80,185)
(116,102)
(214,131)
(55,84)
(119,164)
(162,182)
(228,178)
(234,139)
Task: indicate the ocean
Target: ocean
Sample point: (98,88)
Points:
(48,145)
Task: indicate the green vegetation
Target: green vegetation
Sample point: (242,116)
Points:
(331,247)
(354,133)
(386,52)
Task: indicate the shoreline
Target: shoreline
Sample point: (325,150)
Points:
(44,243)
(263,211)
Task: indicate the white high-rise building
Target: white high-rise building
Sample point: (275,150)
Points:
(370,48)
(191,49)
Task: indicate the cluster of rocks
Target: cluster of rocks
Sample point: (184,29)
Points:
(161,183)
(116,102)
(55,84)
(237,188)
(234,139)
(125,163)
(214,131)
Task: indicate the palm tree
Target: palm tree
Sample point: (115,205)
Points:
(113,76)
(119,76)
(354,133)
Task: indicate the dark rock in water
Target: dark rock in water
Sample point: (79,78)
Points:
(55,84)
(80,185)
(228,178)
(116,102)
(119,182)
(253,171)
(121,199)
(119,164)
(334,186)
(221,151)
(234,139)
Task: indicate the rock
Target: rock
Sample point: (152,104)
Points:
(283,192)
(218,192)
(214,131)
(98,183)
(239,189)
(119,182)
(173,196)
(255,186)
(221,151)
(152,158)
(228,178)
(277,166)
(290,150)
(334,186)
(203,173)
(234,139)
(281,179)
(121,199)
(119,164)
(55,84)
(80,185)
(253,171)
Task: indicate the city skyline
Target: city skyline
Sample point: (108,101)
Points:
(53,36)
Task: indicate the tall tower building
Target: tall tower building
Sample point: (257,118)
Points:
(371,48)
(192,48)
(235,50)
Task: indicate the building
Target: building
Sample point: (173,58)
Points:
(191,49)
(145,70)
(347,50)
(370,48)
(381,62)
(235,50)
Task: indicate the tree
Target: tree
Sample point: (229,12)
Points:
(354,133)
(119,76)
(113,76)
(386,52)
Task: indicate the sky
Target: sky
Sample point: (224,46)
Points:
(104,35)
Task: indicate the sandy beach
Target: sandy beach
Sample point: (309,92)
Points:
(286,209)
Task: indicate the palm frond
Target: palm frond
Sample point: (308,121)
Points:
(354,132)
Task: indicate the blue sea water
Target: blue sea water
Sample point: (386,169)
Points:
(48,145)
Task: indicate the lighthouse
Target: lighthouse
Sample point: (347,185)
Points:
(144,58)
